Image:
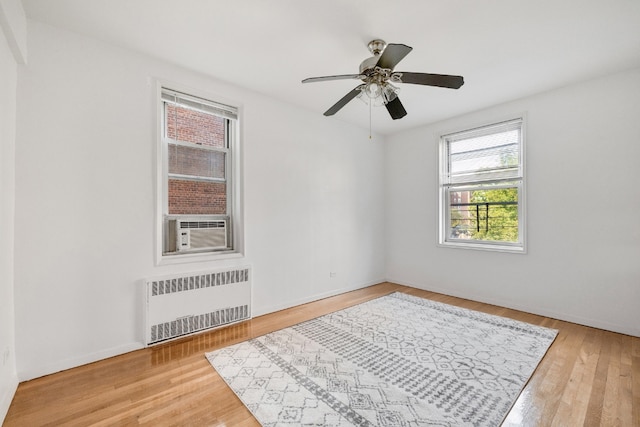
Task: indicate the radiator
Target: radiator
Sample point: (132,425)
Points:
(181,305)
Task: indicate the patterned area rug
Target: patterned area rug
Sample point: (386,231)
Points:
(397,360)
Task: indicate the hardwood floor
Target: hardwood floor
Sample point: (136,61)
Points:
(588,377)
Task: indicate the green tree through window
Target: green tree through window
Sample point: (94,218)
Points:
(496,215)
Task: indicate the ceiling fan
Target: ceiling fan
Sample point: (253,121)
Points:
(378,75)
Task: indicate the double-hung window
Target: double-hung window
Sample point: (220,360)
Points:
(482,188)
(198,145)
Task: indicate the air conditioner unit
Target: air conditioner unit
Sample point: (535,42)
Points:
(197,234)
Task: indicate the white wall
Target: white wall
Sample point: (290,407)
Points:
(13,23)
(583,170)
(313,200)
(12,52)
(8,378)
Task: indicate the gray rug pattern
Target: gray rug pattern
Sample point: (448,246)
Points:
(394,361)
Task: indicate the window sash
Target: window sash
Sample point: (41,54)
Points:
(187,144)
(169,96)
(492,160)
(184,177)
(447,228)
(199,104)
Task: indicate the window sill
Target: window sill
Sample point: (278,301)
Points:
(480,246)
(197,257)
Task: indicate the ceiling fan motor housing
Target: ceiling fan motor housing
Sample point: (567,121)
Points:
(368,64)
(375,47)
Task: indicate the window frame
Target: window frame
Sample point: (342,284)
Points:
(233,180)
(446,187)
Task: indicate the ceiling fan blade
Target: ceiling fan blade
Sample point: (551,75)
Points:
(338,77)
(392,54)
(396,109)
(343,101)
(440,80)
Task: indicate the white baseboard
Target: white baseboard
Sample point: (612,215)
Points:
(316,297)
(594,323)
(9,390)
(39,371)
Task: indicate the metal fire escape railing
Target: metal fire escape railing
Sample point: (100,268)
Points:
(479,208)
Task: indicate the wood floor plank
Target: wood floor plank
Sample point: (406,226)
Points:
(635,372)
(610,406)
(588,377)
(599,384)
(554,374)
(625,385)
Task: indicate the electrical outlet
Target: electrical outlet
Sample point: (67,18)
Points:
(332,274)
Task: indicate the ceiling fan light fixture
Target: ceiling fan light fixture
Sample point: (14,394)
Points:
(373,90)
(371,94)
(389,92)
(378,94)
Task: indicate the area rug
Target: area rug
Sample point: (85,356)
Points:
(397,360)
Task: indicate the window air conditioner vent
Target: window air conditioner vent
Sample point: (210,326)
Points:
(196,235)
(202,224)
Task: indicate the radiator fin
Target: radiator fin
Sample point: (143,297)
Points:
(187,325)
(180,305)
(181,284)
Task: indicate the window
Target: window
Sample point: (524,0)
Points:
(482,188)
(199,148)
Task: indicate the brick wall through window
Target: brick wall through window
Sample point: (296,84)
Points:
(185,124)
(197,197)
(198,130)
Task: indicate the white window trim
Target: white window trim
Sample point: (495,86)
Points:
(443,195)
(237,184)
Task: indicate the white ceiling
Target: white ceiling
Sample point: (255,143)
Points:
(505,49)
